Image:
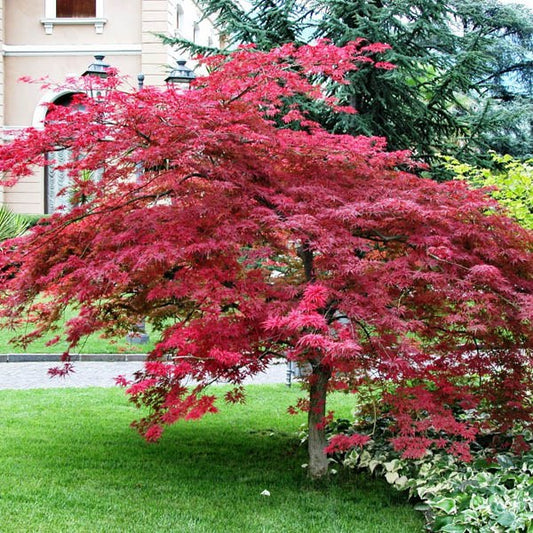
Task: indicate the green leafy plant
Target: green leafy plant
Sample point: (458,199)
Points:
(12,224)
(512,179)
(487,497)
(491,494)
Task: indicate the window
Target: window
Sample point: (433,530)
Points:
(179,17)
(69,12)
(75,8)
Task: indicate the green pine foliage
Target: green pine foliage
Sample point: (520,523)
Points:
(463,79)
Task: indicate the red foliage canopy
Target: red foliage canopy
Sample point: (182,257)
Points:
(236,224)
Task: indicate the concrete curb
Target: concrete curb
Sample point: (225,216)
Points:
(51,358)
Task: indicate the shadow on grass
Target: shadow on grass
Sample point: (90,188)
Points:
(69,462)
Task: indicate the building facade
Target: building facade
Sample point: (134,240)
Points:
(56,39)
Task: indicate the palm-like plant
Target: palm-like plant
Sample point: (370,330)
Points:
(11,224)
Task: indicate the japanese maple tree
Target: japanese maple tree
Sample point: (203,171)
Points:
(245,232)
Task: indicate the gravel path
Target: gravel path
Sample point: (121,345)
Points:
(33,375)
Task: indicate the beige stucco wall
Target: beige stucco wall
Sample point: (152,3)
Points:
(160,17)
(29,51)
(127,41)
(21,98)
(23,24)
(27,196)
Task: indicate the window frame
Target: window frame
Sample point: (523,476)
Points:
(50,17)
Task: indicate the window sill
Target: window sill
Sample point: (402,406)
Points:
(49,23)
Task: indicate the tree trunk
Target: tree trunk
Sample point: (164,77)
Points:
(318,461)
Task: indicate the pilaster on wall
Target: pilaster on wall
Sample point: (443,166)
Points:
(155,56)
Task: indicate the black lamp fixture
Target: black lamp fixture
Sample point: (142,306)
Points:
(97,71)
(98,68)
(181,76)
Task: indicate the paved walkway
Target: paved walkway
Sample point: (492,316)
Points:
(34,375)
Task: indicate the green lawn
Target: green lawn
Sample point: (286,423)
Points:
(93,344)
(69,462)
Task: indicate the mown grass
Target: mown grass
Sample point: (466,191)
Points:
(69,462)
(93,344)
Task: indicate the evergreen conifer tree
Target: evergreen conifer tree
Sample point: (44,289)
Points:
(463,79)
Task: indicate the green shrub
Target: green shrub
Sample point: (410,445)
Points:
(487,497)
(33,220)
(512,179)
(491,494)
